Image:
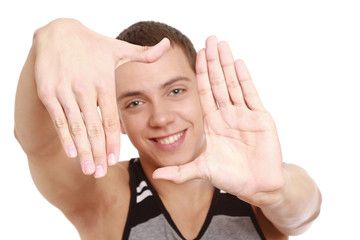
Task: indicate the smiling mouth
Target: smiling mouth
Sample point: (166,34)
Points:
(169,139)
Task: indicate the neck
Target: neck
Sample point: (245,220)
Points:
(188,203)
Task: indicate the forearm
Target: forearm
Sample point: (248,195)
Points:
(33,126)
(56,177)
(299,202)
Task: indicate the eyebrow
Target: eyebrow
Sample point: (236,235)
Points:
(162,86)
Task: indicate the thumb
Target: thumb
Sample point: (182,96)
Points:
(134,53)
(180,174)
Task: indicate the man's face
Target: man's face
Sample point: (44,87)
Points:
(160,109)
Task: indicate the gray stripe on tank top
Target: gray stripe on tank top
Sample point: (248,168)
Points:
(231,228)
(156,228)
(221,227)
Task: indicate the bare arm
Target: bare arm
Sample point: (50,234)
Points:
(56,176)
(33,127)
(68,73)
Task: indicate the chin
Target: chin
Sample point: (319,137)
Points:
(166,161)
(174,161)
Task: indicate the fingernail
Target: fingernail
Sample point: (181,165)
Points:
(88,168)
(71,152)
(111,159)
(99,171)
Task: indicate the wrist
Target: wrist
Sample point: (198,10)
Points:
(298,202)
(273,192)
(271,199)
(58,26)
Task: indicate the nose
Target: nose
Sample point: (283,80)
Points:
(161,115)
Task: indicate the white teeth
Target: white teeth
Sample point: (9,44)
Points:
(170,139)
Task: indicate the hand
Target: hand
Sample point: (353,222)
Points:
(242,154)
(74,72)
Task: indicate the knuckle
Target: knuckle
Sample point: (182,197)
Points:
(204,91)
(68,110)
(76,129)
(102,87)
(61,91)
(201,71)
(111,124)
(85,156)
(45,94)
(216,81)
(143,54)
(246,80)
(99,157)
(232,84)
(81,88)
(140,50)
(60,123)
(95,131)
(227,64)
(222,103)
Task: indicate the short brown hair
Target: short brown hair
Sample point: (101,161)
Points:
(149,33)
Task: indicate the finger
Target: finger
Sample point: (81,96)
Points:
(61,126)
(216,75)
(179,174)
(204,89)
(96,136)
(249,91)
(111,125)
(228,67)
(135,53)
(78,132)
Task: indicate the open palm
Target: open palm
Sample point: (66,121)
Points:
(242,155)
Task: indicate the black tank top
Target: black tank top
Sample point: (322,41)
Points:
(228,216)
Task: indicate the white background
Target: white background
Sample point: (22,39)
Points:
(304,57)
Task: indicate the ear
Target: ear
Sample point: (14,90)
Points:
(123,131)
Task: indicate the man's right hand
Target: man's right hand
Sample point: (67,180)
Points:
(74,72)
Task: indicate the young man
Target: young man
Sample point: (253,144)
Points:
(210,163)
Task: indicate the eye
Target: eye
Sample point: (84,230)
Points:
(176,91)
(134,104)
